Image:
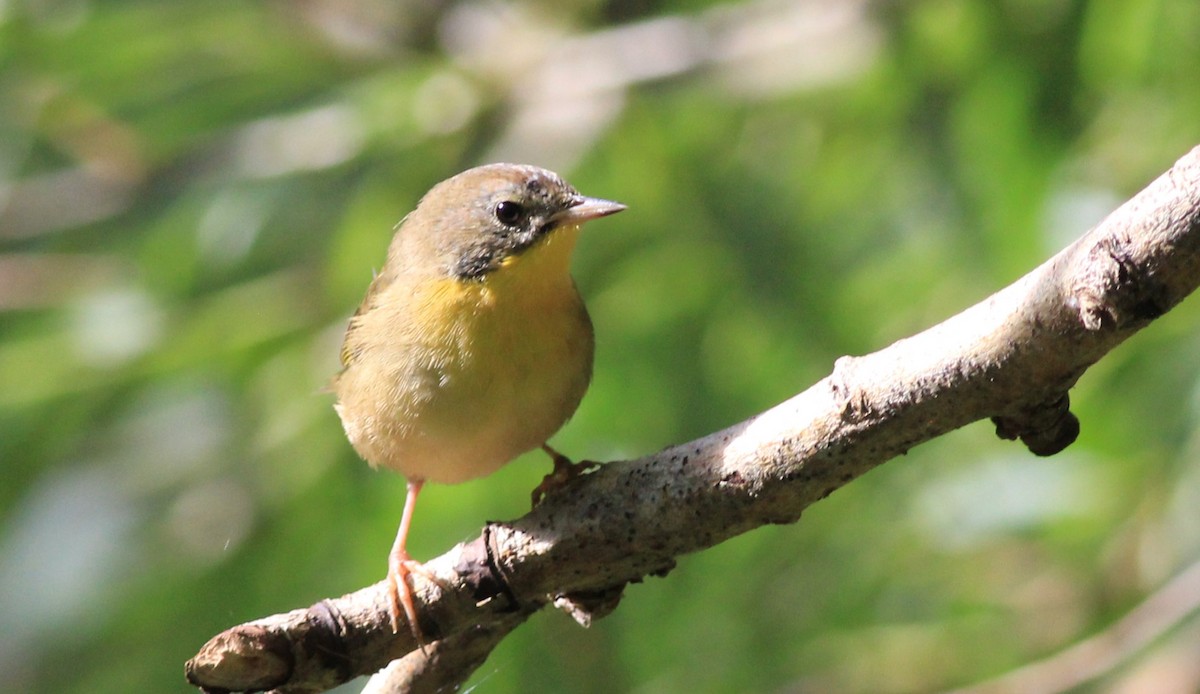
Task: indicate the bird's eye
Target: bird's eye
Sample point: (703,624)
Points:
(509,212)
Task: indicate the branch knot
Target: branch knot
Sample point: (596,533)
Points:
(1045,429)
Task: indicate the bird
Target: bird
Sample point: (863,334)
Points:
(472,344)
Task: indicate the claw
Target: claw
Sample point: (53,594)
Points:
(564,471)
(400,593)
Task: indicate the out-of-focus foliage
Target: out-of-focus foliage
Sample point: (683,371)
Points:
(193,196)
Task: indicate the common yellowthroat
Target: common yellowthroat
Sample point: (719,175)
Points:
(472,344)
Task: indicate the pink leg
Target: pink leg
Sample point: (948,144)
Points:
(400,565)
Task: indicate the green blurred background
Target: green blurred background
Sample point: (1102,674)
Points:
(193,196)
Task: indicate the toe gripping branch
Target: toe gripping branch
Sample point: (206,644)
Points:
(1045,429)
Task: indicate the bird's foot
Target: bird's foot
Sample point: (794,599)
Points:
(564,471)
(400,593)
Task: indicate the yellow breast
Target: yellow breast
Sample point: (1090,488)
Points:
(456,378)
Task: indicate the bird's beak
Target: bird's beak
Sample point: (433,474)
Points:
(584,209)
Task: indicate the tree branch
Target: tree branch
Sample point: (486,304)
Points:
(1011,358)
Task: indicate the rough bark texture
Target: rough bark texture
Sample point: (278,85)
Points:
(1012,358)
